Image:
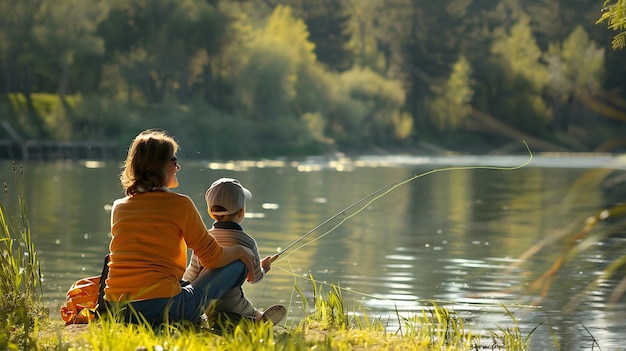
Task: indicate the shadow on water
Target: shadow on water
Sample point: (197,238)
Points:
(469,240)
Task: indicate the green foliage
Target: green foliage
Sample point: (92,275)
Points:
(282,84)
(204,132)
(54,115)
(402,125)
(331,310)
(162,47)
(614,14)
(265,85)
(21,306)
(440,329)
(367,106)
(522,55)
(65,30)
(520,80)
(575,70)
(511,338)
(283,26)
(452,102)
(271,62)
(365,38)
(65,41)
(328,23)
(583,60)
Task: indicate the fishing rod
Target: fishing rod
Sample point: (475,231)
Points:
(342,212)
(388,188)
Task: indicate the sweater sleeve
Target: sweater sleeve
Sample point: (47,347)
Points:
(197,237)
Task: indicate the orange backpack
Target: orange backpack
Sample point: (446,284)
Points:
(81,301)
(85,298)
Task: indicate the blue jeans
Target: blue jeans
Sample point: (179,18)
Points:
(193,299)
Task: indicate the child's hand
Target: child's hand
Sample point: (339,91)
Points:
(266,263)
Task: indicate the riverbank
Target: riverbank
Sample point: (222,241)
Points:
(327,327)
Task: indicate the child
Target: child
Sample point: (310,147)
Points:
(226,200)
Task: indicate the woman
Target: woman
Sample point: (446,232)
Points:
(151,230)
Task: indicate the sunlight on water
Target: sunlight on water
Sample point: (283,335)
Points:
(254,215)
(95,164)
(400,257)
(270,206)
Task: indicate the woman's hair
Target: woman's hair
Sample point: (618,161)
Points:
(148,155)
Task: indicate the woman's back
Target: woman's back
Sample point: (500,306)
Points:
(150,234)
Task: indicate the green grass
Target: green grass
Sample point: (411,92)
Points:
(20,288)
(326,325)
(511,338)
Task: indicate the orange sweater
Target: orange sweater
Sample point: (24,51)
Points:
(150,235)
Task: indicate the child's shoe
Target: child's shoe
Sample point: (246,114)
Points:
(274,314)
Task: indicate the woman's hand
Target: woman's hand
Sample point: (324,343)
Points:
(248,259)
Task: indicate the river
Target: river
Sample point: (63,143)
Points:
(457,237)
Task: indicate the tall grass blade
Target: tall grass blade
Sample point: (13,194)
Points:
(20,273)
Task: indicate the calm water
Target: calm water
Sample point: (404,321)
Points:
(454,237)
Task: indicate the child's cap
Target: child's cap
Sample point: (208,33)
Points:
(227,193)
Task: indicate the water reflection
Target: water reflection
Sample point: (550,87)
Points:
(470,240)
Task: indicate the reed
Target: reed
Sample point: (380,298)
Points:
(328,311)
(575,240)
(511,338)
(21,305)
(439,328)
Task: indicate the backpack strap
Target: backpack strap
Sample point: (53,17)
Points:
(102,304)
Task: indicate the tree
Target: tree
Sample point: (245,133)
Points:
(367,107)
(67,29)
(452,102)
(576,69)
(25,68)
(434,34)
(518,80)
(554,20)
(328,23)
(363,14)
(163,47)
(265,85)
(614,14)
(16,24)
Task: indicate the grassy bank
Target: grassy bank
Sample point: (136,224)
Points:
(326,325)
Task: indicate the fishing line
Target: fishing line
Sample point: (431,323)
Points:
(382,192)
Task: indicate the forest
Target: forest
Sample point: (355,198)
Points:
(244,78)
